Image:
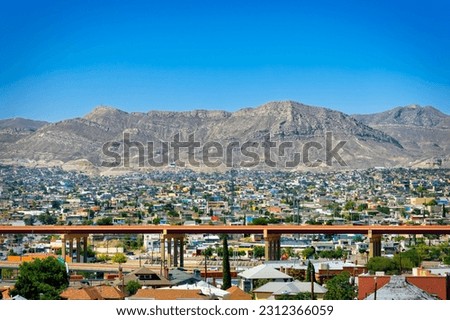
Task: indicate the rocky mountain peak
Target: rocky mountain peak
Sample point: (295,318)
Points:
(412,115)
(104,111)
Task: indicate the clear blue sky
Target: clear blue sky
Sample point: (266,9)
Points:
(60,59)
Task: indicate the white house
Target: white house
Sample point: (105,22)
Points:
(248,278)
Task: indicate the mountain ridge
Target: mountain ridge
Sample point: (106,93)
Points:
(414,115)
(421,130)
(368,140)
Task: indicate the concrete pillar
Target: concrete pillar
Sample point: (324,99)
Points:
(266,246)
(169,251)
(162,247)
(63,246)
(278,251)
(374,244)
(85,249)
(175,251)
(78,239)
(271,249)
(162,251)
(182,251)
(271,246)
(70,248)
(175,242)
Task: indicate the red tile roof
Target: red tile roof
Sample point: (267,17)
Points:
(87,293)
(237,293)
(102,292)
(169,294)
(110,293)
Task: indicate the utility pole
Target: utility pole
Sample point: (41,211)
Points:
(376,285)
(206,269)
(312,283)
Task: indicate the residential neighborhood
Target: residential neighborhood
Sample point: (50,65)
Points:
(132,266)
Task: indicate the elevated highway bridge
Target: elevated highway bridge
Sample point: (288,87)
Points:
(172,237)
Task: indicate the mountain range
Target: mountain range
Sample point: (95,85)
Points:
(282,135)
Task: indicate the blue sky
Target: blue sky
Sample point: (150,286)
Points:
(60,59)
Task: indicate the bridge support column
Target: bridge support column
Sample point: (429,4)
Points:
(272,246)
(162,251)
(374,244)
(175,241)
(85,249)
(182,251)
(71,238)
(78,240)
(175,252)
(63,246)
(169,251)
(178,250)
(70,248)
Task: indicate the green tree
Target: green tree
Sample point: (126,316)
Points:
(260,221)
(420,190)
(349,205)
(408,259)
(231,252)
(208,252)
(6,274)
(29,221)
(260,282)
(89,252)
(340,288)
(384,210)
(226,264)
(105,221)
(132,287)
(446,260)
(258,252)
(11,252)
(332,254)
(403,262)
(47,219)
(362,207)
(156,220)
(288,252)
(308,252)
(388,265)
(298,296)
(310,271)
(103,257)
(41,279)
(56,204)
(119,258)
(312,221)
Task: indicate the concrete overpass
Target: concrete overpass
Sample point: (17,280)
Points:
(250,229)
(91,267)
(174,235)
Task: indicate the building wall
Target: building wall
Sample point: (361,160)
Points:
(262,295)
(366,285)
(420,201)
(434,285)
